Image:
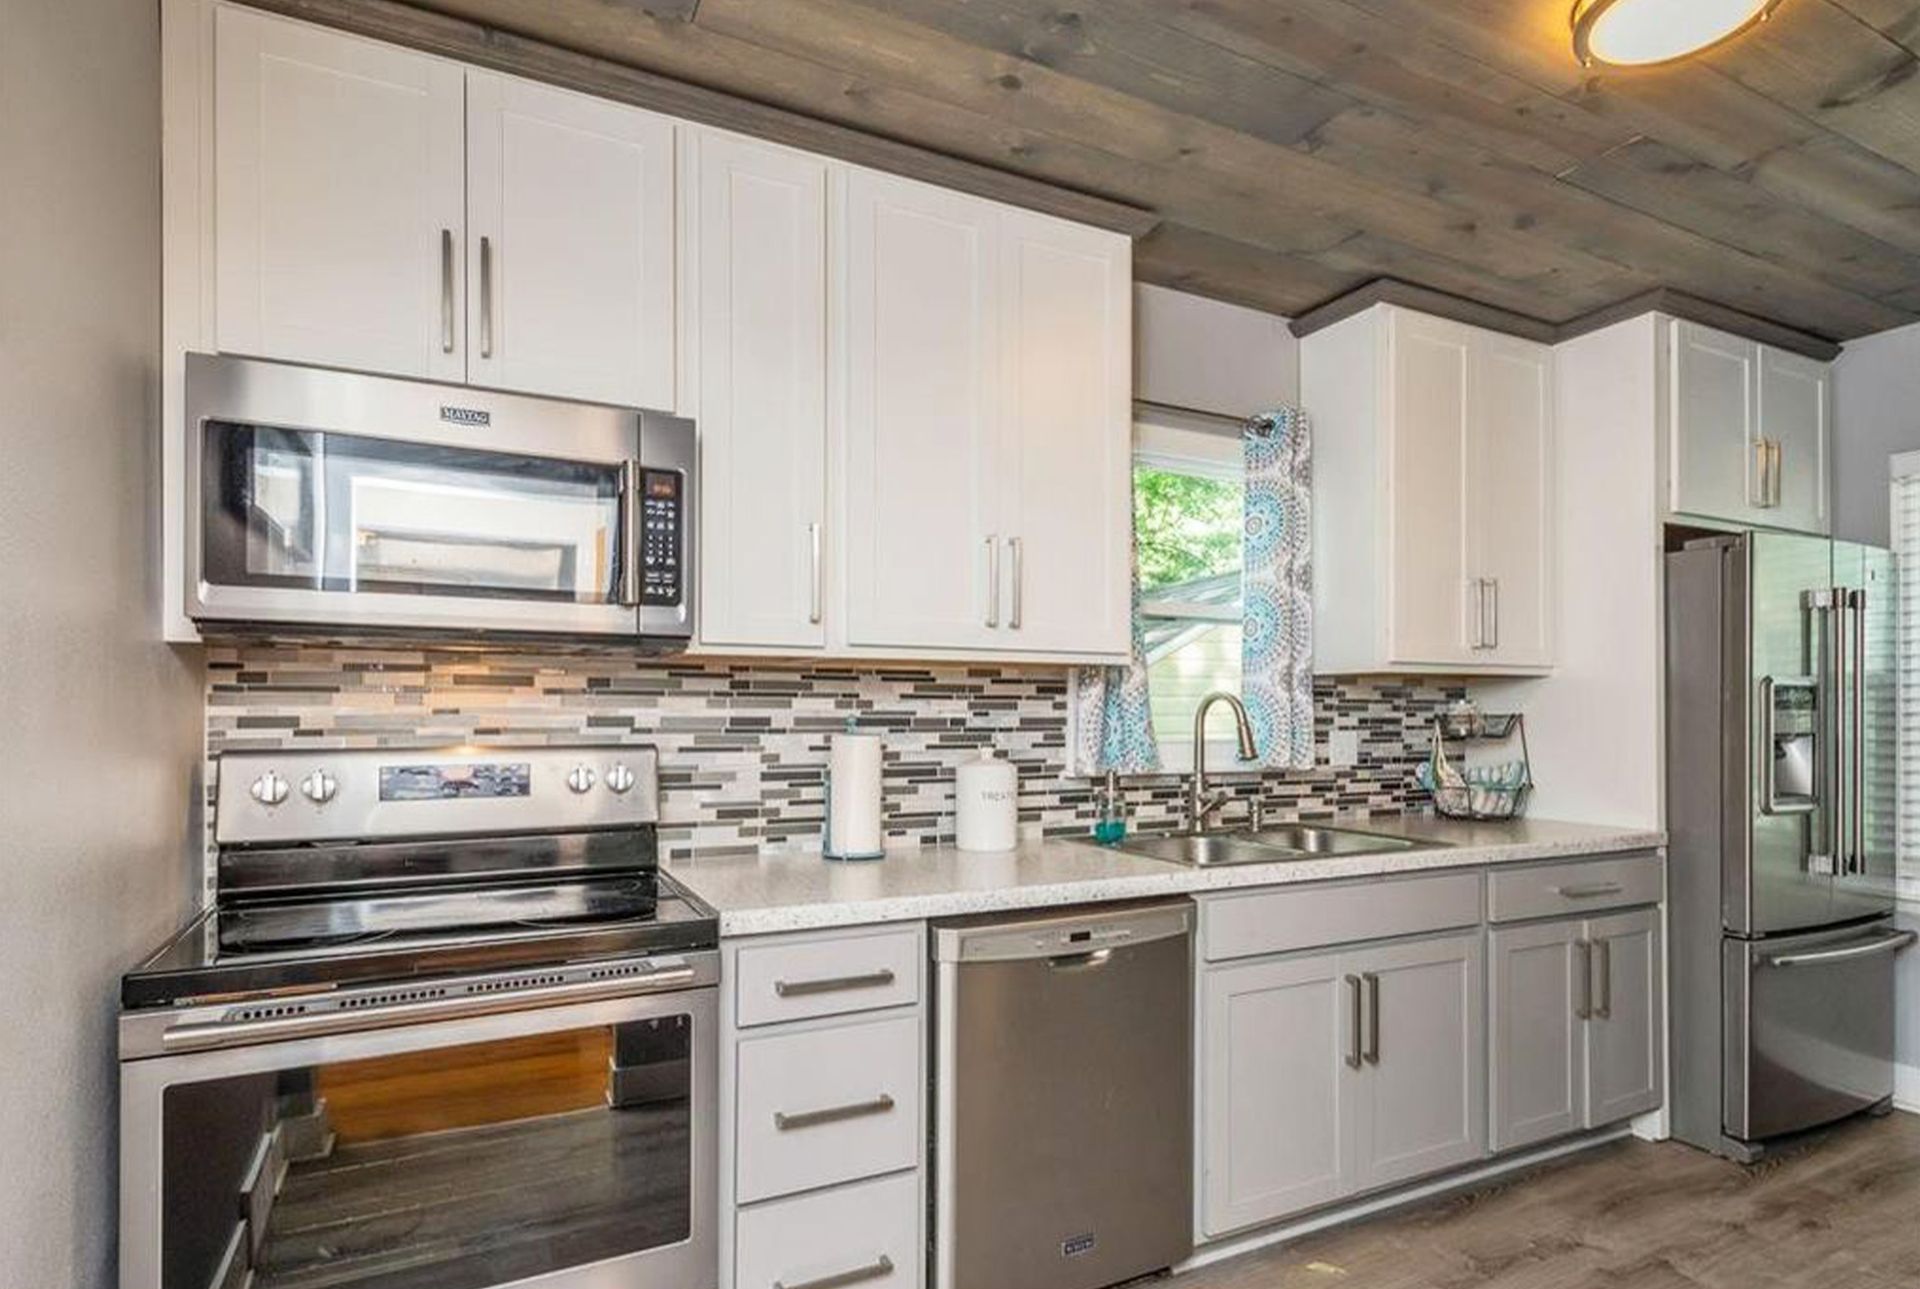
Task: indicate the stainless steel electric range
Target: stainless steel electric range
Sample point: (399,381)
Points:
(445,1024)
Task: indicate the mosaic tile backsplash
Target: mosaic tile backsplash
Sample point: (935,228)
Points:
(743,746)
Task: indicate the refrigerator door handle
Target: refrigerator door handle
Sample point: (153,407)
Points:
(1856,859)
(1826,859)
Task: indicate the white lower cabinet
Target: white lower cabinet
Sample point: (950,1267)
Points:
(823,1110)
(866,1234)
(1576,1023)
(1331,1074)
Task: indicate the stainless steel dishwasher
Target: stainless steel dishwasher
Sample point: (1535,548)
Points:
(1063,1126)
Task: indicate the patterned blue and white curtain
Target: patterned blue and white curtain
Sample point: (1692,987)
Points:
(1113,723)
(1276,650)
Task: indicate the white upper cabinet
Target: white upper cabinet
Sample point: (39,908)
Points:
(986,497)
(1794,405)
(1747,432)
(1434,475)
(1428,455)
(339,200)
(1509,502)
(1066,504)
(756,247)
(570,244)
(388,211)
(924,544)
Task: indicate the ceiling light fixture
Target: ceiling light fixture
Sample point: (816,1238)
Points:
(1641,33)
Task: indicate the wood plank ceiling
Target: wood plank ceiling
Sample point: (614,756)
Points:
(1295,149)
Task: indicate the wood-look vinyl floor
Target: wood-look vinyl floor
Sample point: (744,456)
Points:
(1837,1211)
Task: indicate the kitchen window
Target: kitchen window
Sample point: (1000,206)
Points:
(1187,516)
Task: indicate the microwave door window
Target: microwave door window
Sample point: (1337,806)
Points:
(342,513)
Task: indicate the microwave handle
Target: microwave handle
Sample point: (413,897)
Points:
(629,588)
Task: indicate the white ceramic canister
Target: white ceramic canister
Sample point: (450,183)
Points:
(986,803)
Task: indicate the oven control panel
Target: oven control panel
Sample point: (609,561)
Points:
(662,524)
(371,794)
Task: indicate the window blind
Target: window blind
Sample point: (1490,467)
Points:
(1905,515)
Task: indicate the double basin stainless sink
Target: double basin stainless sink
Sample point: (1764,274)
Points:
(1264,846)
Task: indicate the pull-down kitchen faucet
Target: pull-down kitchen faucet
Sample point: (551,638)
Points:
(1200,802)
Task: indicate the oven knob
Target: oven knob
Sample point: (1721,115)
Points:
(319,787)
(619,778)
(269,789)
(581,779)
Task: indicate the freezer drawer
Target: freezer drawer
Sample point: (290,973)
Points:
(1809,1027)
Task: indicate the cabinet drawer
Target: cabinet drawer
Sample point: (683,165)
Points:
(827,1105)
(1562,890)
(800,979)
(868,1234)
(1303,917)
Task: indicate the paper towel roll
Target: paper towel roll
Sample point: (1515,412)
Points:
(853,798)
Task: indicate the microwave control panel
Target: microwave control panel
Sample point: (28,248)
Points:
(662,523)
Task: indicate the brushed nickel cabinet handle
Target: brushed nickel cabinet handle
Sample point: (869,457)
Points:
(833,984)
(880,1266)
(1493,594)
(1372,1054)
(1016,563)
(1357,1022)
(813,594)
(831,1114)
(1604,1011)
(1778,472)
(1584,1009)
(486,297)
(1591,891)
(1760,488)
(1479,613)
(993,580)
(446,290)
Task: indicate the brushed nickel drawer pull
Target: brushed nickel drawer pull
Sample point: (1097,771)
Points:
(1605,1010)
(446,290)
(832,1114)
(1372,1054)
(486,297)
(1584,1011)
(833,984)
(1592,891)
(1358,1022)
(880,1266)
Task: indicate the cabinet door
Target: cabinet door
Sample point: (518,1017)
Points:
(924,552)
(1712,465)
(338,177)
(1510,500)
(1420,1103)
(1430,596)
(1793,409)
(759,245)
(1538,1047)
(570,244)
(1066,435)
(1275,1039)
(1625,1056)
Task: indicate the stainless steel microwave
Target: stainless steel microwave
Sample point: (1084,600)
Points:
(328,501)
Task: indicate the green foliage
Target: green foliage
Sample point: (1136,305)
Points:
(1185,526)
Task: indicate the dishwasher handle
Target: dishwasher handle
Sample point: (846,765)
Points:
(1070,940)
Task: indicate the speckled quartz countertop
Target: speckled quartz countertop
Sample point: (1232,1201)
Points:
(756,895)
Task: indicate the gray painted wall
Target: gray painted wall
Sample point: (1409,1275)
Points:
(1876,413)
(99,736)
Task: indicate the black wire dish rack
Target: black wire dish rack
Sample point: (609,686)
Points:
(1490,790)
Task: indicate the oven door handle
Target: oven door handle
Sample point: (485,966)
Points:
(206,1035)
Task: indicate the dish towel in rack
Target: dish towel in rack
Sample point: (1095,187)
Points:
(1276,651)
(1112,720)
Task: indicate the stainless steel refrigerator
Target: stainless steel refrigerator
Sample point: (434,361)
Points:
(1780,816)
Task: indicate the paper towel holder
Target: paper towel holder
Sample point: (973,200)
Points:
(831,850)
